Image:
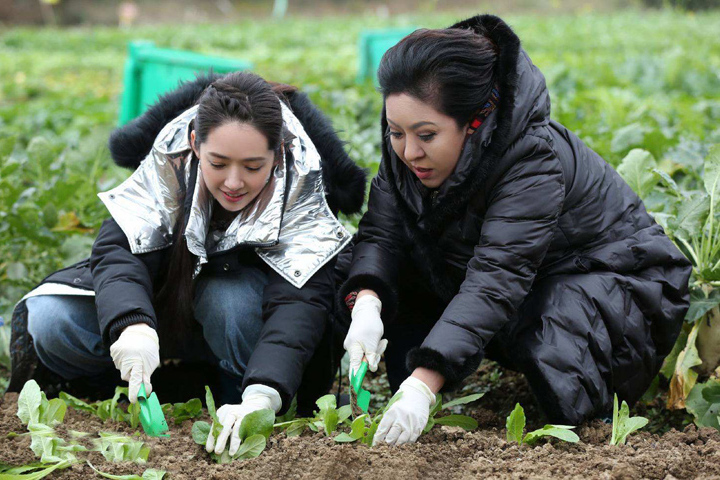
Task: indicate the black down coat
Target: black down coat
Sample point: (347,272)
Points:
(296,320)
(534,251)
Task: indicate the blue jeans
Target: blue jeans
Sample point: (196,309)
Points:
(66,332)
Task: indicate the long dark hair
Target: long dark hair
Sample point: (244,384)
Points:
(451,69)
(237,97)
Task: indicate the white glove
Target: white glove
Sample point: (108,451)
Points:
(136,353)
(364,338)
(255,397)
(405,419)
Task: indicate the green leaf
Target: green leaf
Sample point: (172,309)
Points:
(668,182)
(76,403)
(438,405)
(200,431)
(515,424)
(636,169)
(14,474)
(344,413)
(185,411)
(296,428)
(259,422)
(629,136)
(345,438)
(563,432)
(703,403)
(700,303)
(463,400)
(29,402)
(54,413)
(330,421)
(467,423)
(153,474)
(326,402)
(691,216)
(623,423)
(251,447)
(711,176)
(210,402)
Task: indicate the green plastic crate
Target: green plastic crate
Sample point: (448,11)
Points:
(373,45)
(152,71)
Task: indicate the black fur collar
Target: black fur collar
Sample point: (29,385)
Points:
(344,180)
(452,205)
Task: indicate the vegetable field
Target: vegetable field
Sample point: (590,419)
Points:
(642,89)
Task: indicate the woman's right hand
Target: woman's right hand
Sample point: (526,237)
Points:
(136,353)
(364,338)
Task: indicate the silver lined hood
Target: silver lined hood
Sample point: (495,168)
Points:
(290,224)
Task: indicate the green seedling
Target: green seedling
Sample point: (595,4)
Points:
(34,407)
(326,419)
(364,427)
(180,412)
(119,448)
(515,425)
(107,409)
(463,421)
(623,423)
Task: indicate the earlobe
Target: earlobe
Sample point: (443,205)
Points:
(192,143)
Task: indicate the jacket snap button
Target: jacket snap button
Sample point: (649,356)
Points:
(226,267)
(340,234)
(77,280)
(112,197)
(138,241)
(297,273)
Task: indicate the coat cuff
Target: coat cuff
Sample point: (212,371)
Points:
(118,325)
(359,282)
(453,372)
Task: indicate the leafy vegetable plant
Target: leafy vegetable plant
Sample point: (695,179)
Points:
(119,448)
(327,418)
(623,423)
(515,425)
(34,407)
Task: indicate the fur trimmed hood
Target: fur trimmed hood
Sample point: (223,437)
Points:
(344,181)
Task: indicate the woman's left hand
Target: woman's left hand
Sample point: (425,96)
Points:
(405,419)
(255,397)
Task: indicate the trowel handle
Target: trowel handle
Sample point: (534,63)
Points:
(357,379)
(141,393)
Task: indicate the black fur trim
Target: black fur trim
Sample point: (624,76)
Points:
(433,360)
(454,202)
(130,144)
(344,180)
(388,296)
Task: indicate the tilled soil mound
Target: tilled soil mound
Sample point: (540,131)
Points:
(444,453)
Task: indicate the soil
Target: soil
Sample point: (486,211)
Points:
(444,453)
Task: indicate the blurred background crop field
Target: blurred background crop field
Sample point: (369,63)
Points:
(620,78)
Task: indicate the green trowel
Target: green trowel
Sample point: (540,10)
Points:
(359,397)
(152,418)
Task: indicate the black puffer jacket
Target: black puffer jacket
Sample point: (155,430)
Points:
(528,202)
(295,319)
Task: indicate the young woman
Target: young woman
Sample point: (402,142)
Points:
(493,231)
(221,245)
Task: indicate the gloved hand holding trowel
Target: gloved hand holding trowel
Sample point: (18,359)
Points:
(406,418)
